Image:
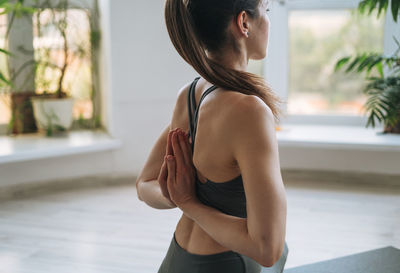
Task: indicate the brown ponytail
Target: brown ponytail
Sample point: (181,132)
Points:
(182,32)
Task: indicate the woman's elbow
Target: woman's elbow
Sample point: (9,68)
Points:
(261,253)
(266,260)
(268,255)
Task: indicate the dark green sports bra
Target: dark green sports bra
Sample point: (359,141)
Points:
(228,196)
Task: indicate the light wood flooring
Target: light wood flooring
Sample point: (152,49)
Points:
(106,229)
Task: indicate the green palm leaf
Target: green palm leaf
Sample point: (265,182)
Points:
(395,9)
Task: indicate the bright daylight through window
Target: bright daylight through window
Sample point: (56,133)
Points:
(64,47)
(317,39)
(78,78)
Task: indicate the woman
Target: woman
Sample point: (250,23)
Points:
(228,186)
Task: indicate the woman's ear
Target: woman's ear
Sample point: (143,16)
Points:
(242,22)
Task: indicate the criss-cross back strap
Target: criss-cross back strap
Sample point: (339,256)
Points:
(190,105)
(196,114)
(193,123)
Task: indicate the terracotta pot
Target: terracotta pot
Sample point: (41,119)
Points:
(23,120)
(393,129)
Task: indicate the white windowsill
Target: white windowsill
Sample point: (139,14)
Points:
(37,146)
(334,137)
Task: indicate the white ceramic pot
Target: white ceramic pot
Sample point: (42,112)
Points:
(50,112)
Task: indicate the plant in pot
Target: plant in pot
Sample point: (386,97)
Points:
(16,80)
(54,54)
(53,110)
(383,91)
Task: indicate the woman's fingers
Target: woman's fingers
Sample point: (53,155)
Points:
(189,149)
(178,155)
(180,144)
(169,150)
(184,148)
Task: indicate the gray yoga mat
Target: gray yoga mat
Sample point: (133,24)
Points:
(381,260)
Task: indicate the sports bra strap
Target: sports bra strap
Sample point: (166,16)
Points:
(196,114)
(191,100)
(190,105)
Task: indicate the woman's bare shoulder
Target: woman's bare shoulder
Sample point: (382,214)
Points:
(243,108)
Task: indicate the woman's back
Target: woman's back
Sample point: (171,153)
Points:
(212,155)
(234,129)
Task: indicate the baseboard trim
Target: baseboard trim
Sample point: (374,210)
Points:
(289,176)
(343,177)
(42,187)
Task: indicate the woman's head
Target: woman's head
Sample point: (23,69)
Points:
(201,28)
(223,26)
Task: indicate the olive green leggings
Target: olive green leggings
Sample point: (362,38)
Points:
(178,260)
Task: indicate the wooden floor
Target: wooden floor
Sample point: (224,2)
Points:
(107,229)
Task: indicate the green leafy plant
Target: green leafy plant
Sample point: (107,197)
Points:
(58,21)
(73,51)
(14,10)
(367,6)
(383,91)
(54,23)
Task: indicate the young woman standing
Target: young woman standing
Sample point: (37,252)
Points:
(229,185)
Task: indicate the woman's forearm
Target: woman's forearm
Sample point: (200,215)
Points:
(150,193)
(229,231)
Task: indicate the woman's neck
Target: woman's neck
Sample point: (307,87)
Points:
(231,60)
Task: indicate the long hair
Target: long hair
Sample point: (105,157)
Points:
(195,26)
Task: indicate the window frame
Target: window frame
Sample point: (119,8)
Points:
(276,64)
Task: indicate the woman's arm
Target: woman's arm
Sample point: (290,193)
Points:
(150,193)
(147,187)
(230,231)
(262,235)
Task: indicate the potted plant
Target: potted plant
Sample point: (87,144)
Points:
(54,110)
(383,91)
(49,93)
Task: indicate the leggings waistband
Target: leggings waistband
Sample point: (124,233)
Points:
(203,258)
(179,260)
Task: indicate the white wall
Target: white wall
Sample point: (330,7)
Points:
(144,74)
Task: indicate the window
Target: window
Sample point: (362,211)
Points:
(5,102)
(81,77)
(307,37)
(317,39)
(78,79)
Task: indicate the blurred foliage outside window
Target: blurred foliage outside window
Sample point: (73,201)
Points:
(78,78)
(317,39)
(5,101)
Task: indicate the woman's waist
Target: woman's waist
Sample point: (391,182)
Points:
(191,237)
